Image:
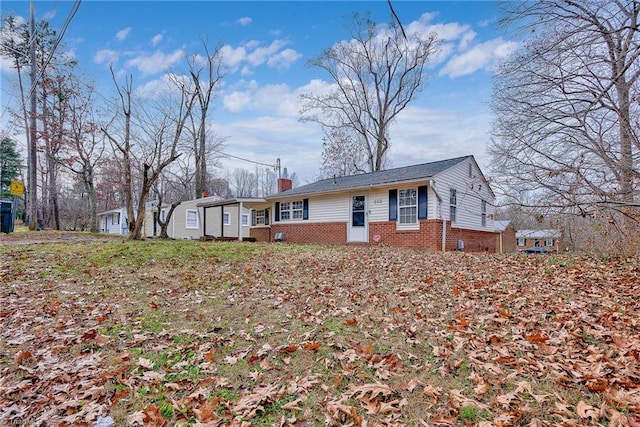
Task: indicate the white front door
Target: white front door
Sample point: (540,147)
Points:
(358,226)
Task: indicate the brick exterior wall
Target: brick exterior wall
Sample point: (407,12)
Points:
(330,233)
(261,234)
(428,237)
(508,240)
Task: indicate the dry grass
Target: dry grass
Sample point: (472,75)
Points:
(188,333)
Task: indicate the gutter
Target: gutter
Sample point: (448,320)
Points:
(432,184)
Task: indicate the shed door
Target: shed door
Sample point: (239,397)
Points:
(358,226)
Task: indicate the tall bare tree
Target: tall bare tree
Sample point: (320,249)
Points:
(376,75)
(244,182)
(159,135)
(206,73)
(30,46)
(82,145)
(342,155)
(564,135)
(123,144)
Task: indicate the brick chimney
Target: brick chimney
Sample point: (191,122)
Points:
(284,184)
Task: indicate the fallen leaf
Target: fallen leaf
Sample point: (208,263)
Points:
(585,410)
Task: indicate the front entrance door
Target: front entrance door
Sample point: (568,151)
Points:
(358,227)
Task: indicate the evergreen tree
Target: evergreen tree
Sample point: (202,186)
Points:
(10,165)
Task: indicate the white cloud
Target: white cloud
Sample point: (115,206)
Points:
(122,34)
(423,135)
(156,39)
(49,15)
(232,57)
(261,54)
(278,99)
(246,71)
(266,138)
(466,39)
(244,21)
(253,54)
(236,102)
(446,32)
(106,56)
(156,62)
(284,59)
(481,56)
(6,65)
(274,100)
(166,84)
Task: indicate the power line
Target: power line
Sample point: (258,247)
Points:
(245,160)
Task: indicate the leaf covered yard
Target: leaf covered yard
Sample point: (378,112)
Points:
(161,333)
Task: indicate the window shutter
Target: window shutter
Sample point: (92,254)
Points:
(305,209)
(253,217)
(393,205)
(266,217)
(422,202)
(277,215)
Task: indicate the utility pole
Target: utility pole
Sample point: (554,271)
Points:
(32,150)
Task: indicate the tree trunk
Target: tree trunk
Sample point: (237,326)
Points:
(165,224)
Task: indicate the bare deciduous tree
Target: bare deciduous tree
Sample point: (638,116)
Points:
(376,75)
(342,155)
(83,144)
(206,73)
(244,182)
(564,104)
(159,134)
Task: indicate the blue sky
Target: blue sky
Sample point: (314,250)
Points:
(266,47)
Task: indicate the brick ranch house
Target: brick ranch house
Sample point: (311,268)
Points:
(549,239)
(443,205)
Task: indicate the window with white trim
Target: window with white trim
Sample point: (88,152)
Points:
(163,215)
(115,218)
(521,241)
(245,219)
(483,213)
(549,242)
(226,218)
(191,218)
(260,217)
(453,204)
(291,210)
(407,206)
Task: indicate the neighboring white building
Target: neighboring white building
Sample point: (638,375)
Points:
(186,222)
(113,221)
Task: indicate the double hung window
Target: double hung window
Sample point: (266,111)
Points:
(407,206)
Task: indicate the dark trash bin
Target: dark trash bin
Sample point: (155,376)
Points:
(6,216)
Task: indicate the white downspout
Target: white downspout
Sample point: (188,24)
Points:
(444,229)
(240,222)
(432,184)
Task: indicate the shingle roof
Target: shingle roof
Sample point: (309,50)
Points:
(538,234)
(501,225)
(372,179)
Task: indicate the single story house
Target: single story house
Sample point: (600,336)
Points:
(188,220)
(443,205)
(191,221)
(549,239)
(113,221)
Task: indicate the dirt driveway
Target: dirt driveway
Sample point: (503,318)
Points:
(21,237)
